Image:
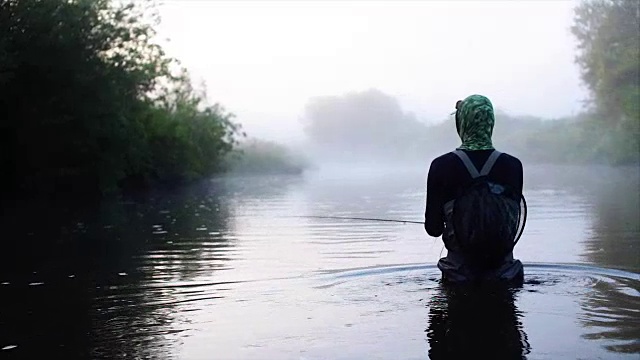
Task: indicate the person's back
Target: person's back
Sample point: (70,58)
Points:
(450,175)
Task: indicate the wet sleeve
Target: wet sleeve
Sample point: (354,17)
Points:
(433,216)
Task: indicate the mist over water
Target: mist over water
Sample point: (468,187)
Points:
(211,241)
(228,267)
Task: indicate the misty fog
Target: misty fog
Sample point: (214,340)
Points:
(247,179)
(381,77)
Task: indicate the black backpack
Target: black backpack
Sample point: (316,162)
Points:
(488,218)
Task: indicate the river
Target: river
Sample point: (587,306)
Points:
(232,268)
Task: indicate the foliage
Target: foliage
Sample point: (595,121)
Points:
(90,103)
(576,140)
(371,124)
(265,157)
(187,140)
(351,128)
(608,34)
(361,124)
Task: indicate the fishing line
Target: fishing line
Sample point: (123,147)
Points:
(362,218)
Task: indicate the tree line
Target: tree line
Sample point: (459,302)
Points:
(91,105)
(608,35)
(371,124)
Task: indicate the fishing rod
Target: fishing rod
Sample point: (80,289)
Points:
(362,218)
(522,216)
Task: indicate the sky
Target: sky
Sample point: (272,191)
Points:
(263,60)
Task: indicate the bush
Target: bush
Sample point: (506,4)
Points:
(91,104)
(265,157)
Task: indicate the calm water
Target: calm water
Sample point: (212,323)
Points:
(227,269)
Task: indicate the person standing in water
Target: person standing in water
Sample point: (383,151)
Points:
(474,201)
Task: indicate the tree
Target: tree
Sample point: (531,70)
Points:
(90,101)
(368,123)
(608,34)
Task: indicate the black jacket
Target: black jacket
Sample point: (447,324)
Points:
(448,176)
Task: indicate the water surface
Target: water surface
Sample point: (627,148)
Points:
(231,269)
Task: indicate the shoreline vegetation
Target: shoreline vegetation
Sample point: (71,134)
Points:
(349,128)
(94,107)
(372,124)
(256,156)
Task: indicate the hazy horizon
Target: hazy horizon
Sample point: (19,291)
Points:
(426,54)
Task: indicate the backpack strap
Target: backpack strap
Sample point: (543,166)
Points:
(473,171)
(488,165)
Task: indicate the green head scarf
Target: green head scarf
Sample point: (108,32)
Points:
(474,121)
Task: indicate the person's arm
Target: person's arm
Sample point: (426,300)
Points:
(433,216)
(520,178)
(514,175)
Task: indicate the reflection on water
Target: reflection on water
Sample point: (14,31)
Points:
(228,267)
(111,281)
(471,322)
(611,315)
(592,213)
(616,228)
